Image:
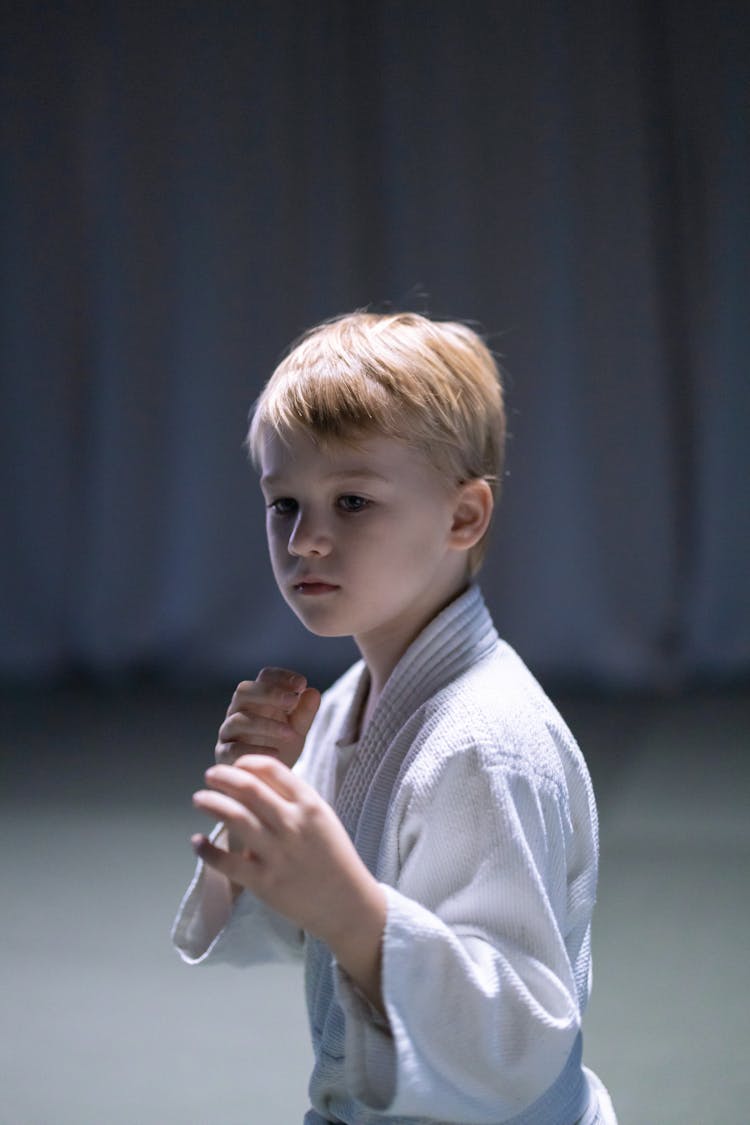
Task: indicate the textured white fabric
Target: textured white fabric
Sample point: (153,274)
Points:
(469,800)
(601,1110)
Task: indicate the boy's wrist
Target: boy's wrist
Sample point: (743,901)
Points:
(357,943)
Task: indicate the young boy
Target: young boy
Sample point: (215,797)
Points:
(426,834)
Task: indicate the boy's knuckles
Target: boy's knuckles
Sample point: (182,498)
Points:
(271,697)
(252,729)
(225,730)
(253,693)
(232,727)
(287,828)
(227,753)
(271,673)
(282,678)
(243,689)
(224,753)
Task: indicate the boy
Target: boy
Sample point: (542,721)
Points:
(426,834)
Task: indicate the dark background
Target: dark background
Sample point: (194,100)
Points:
(185,187)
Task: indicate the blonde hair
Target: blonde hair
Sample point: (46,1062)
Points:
(432,384)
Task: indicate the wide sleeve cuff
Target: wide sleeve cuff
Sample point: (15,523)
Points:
(370,1057)
(452,1038)
(212,927)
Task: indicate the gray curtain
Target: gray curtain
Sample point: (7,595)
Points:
(185,187)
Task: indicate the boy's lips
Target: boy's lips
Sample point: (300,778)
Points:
(314,585)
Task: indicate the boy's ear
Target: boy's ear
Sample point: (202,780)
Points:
(472,514)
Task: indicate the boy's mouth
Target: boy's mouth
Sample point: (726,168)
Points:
(314,586)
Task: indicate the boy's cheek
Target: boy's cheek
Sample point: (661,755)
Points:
(279,557)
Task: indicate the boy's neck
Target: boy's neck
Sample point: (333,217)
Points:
(382,653)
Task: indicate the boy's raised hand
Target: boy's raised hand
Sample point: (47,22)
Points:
(282,841)
(291,850)
(269,715)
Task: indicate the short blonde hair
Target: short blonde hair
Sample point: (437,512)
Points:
(432,384)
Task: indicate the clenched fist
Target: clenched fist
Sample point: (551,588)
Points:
(270,715)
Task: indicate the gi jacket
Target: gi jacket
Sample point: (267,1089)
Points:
(469,800)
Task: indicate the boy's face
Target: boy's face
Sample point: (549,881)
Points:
(360,538)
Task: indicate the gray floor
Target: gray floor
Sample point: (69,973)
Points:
(102,1025)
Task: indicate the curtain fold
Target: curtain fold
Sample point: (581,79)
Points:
(184,190)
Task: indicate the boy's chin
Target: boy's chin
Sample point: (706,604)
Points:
(320,628)
(323,631)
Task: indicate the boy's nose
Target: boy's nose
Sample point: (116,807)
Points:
(308,538)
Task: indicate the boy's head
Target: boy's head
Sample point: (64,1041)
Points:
(432,384)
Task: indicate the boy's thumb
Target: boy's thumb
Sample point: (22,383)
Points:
(300,719)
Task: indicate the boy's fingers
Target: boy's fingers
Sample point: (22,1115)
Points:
(234,866)
(275,690)
(274,773)
(267,807)
(295,681)
(227,753)
(256,730)
(270,715)
(300,719)
(244,828)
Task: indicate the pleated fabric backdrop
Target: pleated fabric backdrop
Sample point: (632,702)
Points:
(185,187)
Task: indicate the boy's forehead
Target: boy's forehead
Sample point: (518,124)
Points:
(279,452)
(373,456)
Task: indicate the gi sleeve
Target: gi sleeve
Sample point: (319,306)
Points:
(479,990)
(211,927)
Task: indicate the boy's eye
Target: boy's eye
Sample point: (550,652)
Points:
(351,503)
(284,506)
